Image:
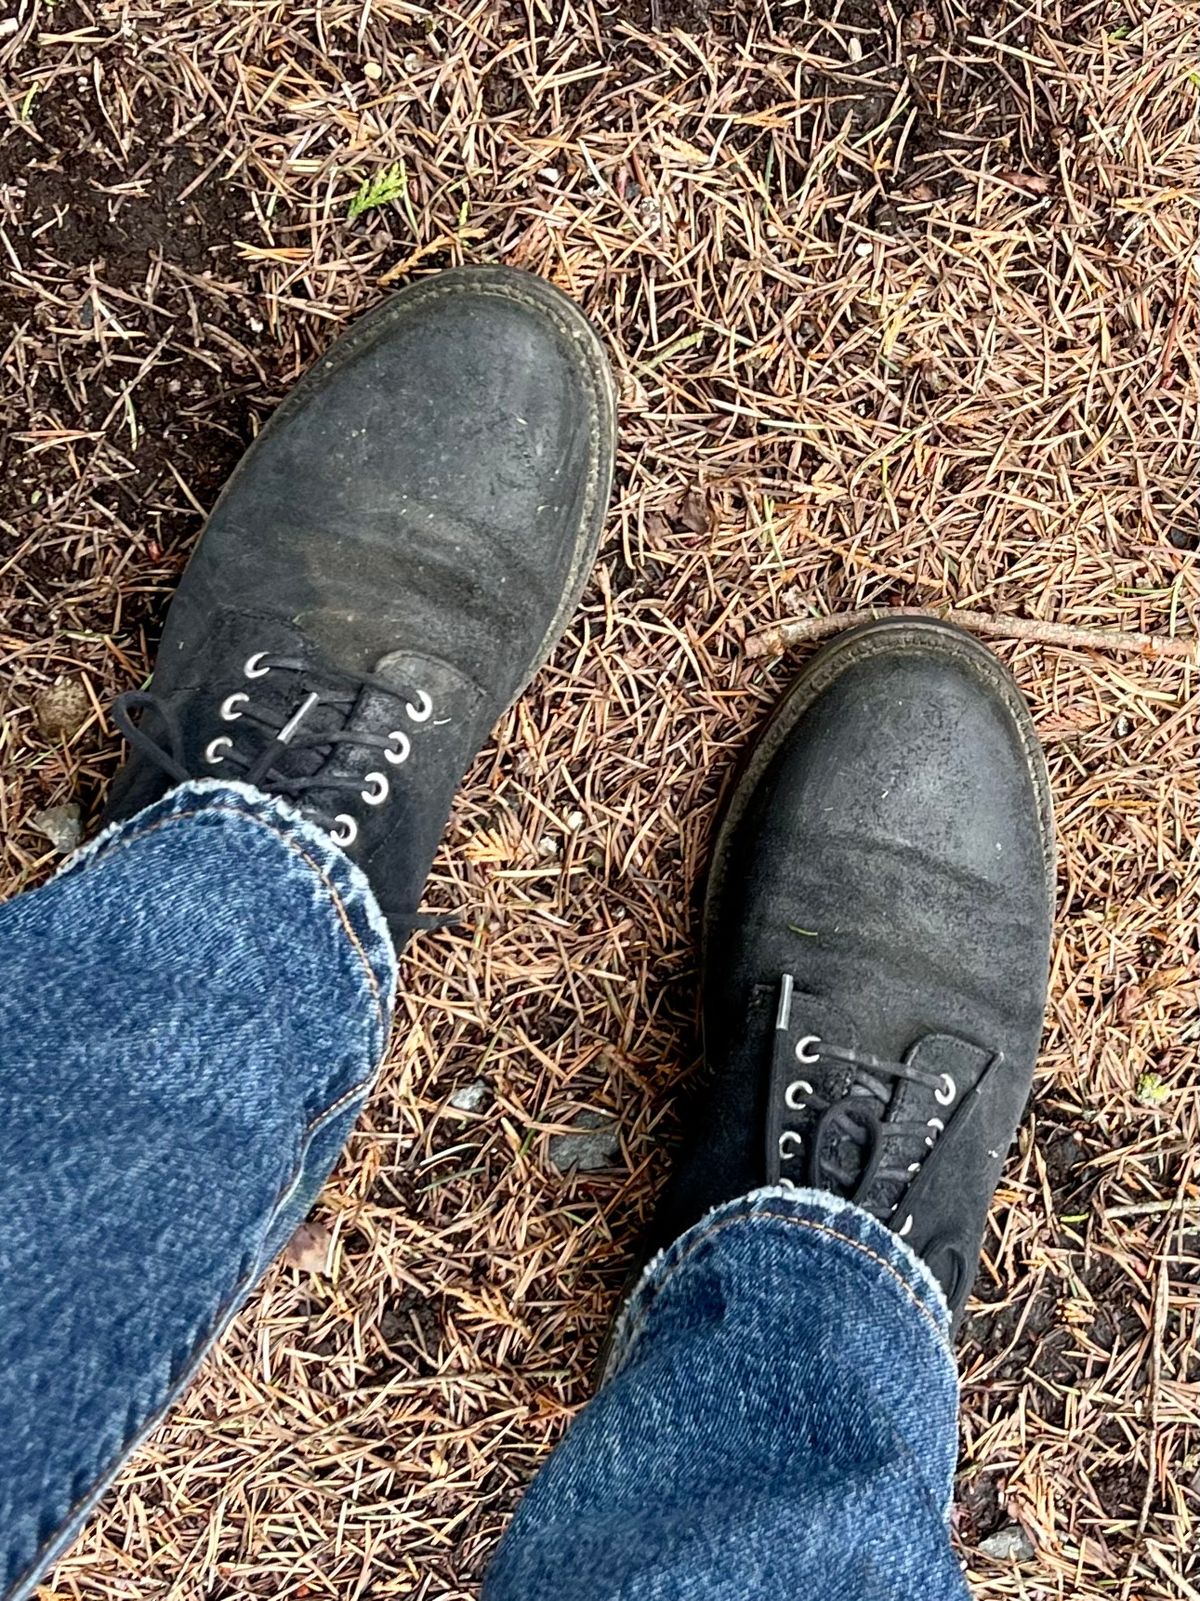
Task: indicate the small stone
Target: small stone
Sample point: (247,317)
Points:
(548,848)
(62,826)
(372,70)
(1008,1543)
(574,821)
(471,1097)
(62,709)
(854,48)
(591,1147)
(550,174)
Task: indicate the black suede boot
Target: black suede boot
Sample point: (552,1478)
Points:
(392,560)
(876,945)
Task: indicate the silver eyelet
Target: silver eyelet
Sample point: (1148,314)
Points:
(790,1144)
(800,1087)
(938,1127)
(252,669)
(907,1227)
(346,832)
(212,751)
(404,745)
(423,711)
(228,714)
(377,788)
(946,1094)
(803,1054)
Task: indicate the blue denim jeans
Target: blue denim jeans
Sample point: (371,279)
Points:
(191,1015)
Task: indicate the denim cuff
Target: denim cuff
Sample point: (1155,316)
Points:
(823,1223)
(339,886)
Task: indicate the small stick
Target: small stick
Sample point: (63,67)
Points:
(778,637)
(1152,1208)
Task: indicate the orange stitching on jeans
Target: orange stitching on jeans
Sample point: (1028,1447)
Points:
(339,906)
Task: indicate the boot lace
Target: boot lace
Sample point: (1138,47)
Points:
(279,738)
(843,1144)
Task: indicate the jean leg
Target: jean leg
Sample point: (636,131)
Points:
(191,1015)
(778,1419)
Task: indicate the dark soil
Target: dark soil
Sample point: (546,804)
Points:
(140,243)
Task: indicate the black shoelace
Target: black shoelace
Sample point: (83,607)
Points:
(280,736)
(284,738)
(843,1150)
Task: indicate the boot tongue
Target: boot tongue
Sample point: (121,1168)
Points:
(842,1142)
(294,706)
(325,702)
(345,707)
(417,743)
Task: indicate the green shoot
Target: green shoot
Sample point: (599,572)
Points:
(388,185)
(1151,1091)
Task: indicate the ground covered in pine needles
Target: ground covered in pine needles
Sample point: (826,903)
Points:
(904,310)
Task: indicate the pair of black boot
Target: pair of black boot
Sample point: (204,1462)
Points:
(393,560)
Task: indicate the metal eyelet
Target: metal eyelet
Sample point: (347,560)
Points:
(423,711)
(938,1127)
(804,1055)
(801,1086)
(907,1228)
(212,751)
(346,832)
(228,714)
(946,1094)
(790,1145)
(404,744)
(252,669)
(377,788)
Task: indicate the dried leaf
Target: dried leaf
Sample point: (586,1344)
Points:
(1033,183)
(308,1248)
(919,27)
(1131,1000)
(696,511)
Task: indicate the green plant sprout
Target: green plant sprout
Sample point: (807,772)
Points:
(1151,1091)
(388,185)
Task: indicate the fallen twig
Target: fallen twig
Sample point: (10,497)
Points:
(781,636)
(1152,1209)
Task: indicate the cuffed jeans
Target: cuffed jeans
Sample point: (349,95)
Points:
(191,1015)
